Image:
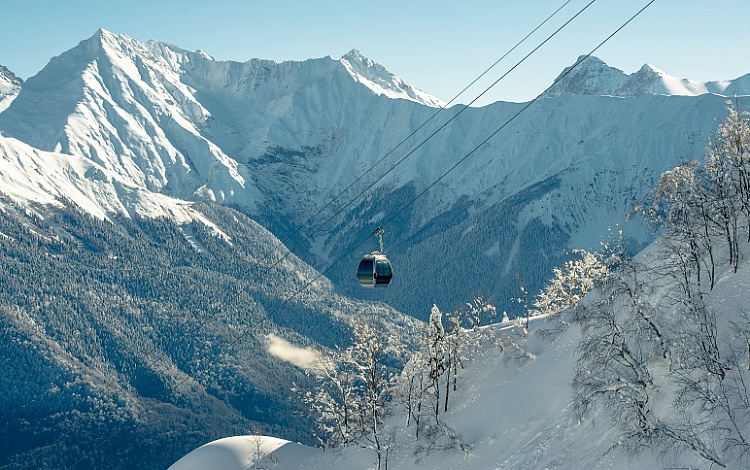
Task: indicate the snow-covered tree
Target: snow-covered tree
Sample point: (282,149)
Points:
(478,312)
(621,339)
(570,283)
(695,203)
(411,389)
(732,147)
(702,359)
(680,202)
(436,354)
(367,356)
(425,386)
(712,378)
(354,386)
(334,402)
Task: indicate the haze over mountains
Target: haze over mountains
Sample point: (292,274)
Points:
(202,166)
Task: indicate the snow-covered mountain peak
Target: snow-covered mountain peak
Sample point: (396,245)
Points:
(588,76)
(356,55)
(10,85)
(104,36)
(592,76)
(649,72)
(382,82)
(9,82)
(593,64)
(121,103)
(650,79)
(104,42)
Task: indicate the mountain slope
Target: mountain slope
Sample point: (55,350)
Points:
(115,251)
(515,405)
(140,326)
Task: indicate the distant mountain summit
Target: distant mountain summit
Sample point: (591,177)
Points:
(592,76)
(160,117)
(382,82)
(9,82)
(10,85)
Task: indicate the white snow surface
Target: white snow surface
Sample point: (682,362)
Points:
(232,452)
(182,124)
(133,109)
(34,176)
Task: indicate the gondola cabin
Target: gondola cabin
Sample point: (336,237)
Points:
(374,271)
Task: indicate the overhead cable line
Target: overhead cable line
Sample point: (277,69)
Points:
(461,160)
(512,118)
(464,158)
(435,114)
(393,167)
(443,126)
(319,227)
(403,208)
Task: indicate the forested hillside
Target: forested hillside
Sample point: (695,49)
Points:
(153,331)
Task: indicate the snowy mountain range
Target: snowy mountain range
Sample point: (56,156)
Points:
(175,158)
(141,121)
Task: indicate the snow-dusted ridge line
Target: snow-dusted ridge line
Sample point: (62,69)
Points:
(281,140)
(97,190)
(383,82)
(132,107)
(362,69)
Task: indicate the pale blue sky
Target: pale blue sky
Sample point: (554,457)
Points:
(438,46)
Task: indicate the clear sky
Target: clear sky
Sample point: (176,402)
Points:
(436,45)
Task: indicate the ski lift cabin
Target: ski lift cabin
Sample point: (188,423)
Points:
(375,270)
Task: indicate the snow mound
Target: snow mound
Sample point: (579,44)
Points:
(231,453)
